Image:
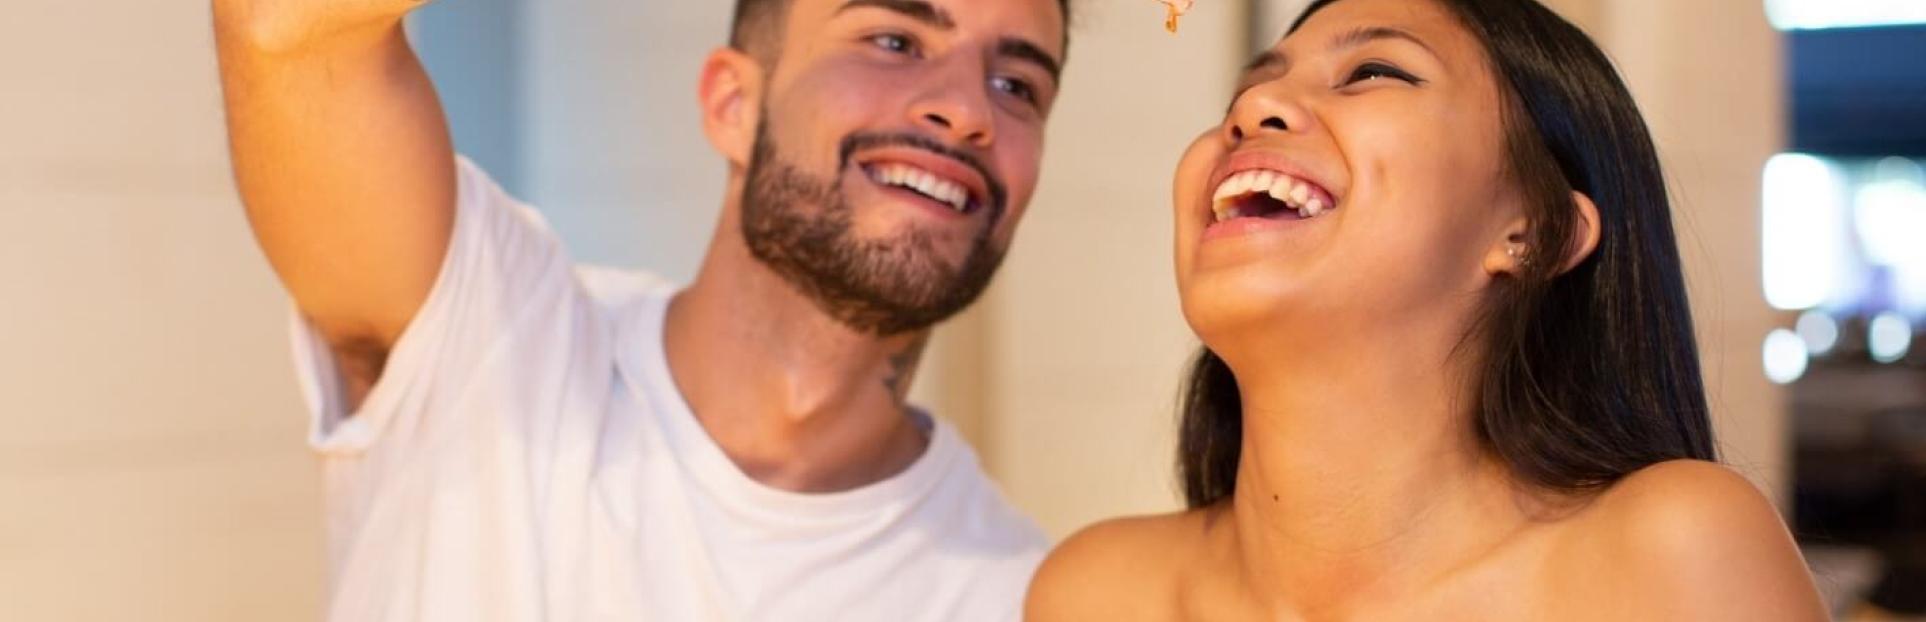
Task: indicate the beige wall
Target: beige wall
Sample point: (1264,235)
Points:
(1709,75)
(1081,340)
(152,466)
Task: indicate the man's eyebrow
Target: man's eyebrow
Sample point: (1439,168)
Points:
(918,10)
(1025,50)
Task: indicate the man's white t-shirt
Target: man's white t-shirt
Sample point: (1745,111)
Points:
(526,456)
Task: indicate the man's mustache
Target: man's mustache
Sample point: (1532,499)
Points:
(874,140)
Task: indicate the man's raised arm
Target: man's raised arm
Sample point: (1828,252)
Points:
(344,162)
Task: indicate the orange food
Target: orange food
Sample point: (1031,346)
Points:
(1174,9)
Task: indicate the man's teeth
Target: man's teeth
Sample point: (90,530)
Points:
(1294,193)
(923,182)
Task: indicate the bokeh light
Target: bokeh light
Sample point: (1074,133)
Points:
(1819,332)
(1889,337)
(1804,245)
(1822,14)
(1785,356)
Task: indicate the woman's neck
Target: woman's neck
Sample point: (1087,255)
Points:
(1361,478)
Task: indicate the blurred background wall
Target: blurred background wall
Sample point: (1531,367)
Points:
(153,467)
(151,464)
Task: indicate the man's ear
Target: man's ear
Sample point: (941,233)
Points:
(731,99)
(1586,232)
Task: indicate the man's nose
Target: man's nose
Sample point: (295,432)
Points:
(957,109)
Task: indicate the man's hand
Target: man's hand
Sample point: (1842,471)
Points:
(280,26)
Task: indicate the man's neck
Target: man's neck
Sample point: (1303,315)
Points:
(797,400)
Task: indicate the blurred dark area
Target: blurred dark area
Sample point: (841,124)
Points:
(1859,425)
(1859,92)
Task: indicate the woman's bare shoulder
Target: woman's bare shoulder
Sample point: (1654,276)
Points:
(1691,540)
(1119,569)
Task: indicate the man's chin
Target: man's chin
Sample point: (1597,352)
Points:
(892,302)
(888,222)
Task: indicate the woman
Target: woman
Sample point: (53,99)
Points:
(1450,370)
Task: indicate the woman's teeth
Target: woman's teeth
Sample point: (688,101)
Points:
(922,182)
(1295,194)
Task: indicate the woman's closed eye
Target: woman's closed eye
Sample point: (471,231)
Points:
(1371,71)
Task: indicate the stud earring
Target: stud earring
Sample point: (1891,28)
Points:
(1517,253)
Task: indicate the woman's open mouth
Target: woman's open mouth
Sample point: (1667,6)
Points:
(1262,193)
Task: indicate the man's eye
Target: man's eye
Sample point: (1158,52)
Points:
(1013,86)
(1373,71)
(900,44)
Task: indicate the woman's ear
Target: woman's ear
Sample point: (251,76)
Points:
(731,99)
(1584,234)
(1513,253)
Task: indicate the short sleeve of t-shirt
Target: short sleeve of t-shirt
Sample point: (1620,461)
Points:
(505,300)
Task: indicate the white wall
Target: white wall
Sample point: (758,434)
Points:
(152,465)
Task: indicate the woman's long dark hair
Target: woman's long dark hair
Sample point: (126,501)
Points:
(1582,377)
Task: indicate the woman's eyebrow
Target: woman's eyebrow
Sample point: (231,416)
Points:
(1367,34)
(1271,59)
(1274,60)
(1349,39)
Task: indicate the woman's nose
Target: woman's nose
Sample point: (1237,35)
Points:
(1268,109)
(1267,123)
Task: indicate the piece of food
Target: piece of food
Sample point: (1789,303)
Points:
(1174,9)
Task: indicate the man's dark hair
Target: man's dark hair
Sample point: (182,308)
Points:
(757,27)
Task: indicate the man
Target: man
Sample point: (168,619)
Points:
(508,436)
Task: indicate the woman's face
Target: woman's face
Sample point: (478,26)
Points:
(1357,183)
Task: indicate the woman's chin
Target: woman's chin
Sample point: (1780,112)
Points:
(1221,321)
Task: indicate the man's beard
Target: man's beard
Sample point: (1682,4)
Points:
(801,226)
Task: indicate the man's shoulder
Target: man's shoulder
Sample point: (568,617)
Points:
(614,288)
(971,504)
